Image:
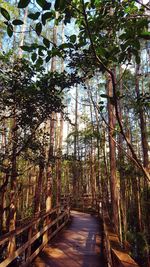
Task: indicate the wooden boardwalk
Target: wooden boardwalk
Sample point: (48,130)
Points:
(76,246)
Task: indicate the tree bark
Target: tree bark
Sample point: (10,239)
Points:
(112,155)
(142,124)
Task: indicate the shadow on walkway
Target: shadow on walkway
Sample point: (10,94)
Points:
(76,246)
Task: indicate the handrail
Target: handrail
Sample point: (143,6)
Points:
(41,230)
(113,252)
(19,230)
(45,222)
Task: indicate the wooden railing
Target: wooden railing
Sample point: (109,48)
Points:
(31,239)
(114,254)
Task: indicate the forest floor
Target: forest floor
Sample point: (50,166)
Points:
(76,246)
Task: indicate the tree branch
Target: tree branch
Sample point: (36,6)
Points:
(110,72)
(145,6)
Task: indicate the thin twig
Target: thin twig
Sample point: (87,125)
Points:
(145,6)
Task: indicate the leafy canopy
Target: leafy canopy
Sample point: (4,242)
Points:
(108,30)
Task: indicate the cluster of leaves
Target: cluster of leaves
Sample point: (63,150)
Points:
(84,62)
(84,136)
(129,97)
(6,9)
(30,98)
(10,24)
(113,27)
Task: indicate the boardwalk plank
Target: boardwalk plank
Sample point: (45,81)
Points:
(76,246)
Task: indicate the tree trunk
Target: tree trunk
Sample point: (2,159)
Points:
(13,185)
(59,159)
(75,166)
(142,124)
(112,153)
(23,28)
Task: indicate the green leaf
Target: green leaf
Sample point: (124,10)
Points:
(138,59)
(34,16)
(46,42)
(101,108)
(44,4)
(41,47)
(145,35)
(67,15)
(66,45)
(23,3)
(104,96)
(136,44)
(40,53)
(26,48)
(73,38)
(5,13)
(92,4)
(47,15)
(122,57)
(55,52)
(60,4)
(38,28)
(17,22)
(6,23)
(10,30)
(48,59)
(57,4)
(34,46)
(39,62)
(41,3)
(34,57)
(47,6)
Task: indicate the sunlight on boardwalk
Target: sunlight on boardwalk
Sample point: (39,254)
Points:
(76,246)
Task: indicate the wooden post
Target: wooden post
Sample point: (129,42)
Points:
(46,235)
(57,212)
(12,226)
(28,253)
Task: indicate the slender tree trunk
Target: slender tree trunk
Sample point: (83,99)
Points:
(59,159)
(60,139)
(5,180)
(75,166)
(142,124)
(106,182)
(13,185)
(112,151)
(122,195)
(49,167)
(23,28)
(37,205)
(49,177)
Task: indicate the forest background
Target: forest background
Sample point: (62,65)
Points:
(74,100)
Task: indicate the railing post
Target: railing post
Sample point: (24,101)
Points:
(106,250)
(57,213)
(11,246)
(28,254)
(45,235)
(12,226)
(100,207)
(69,205)
(68,212)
